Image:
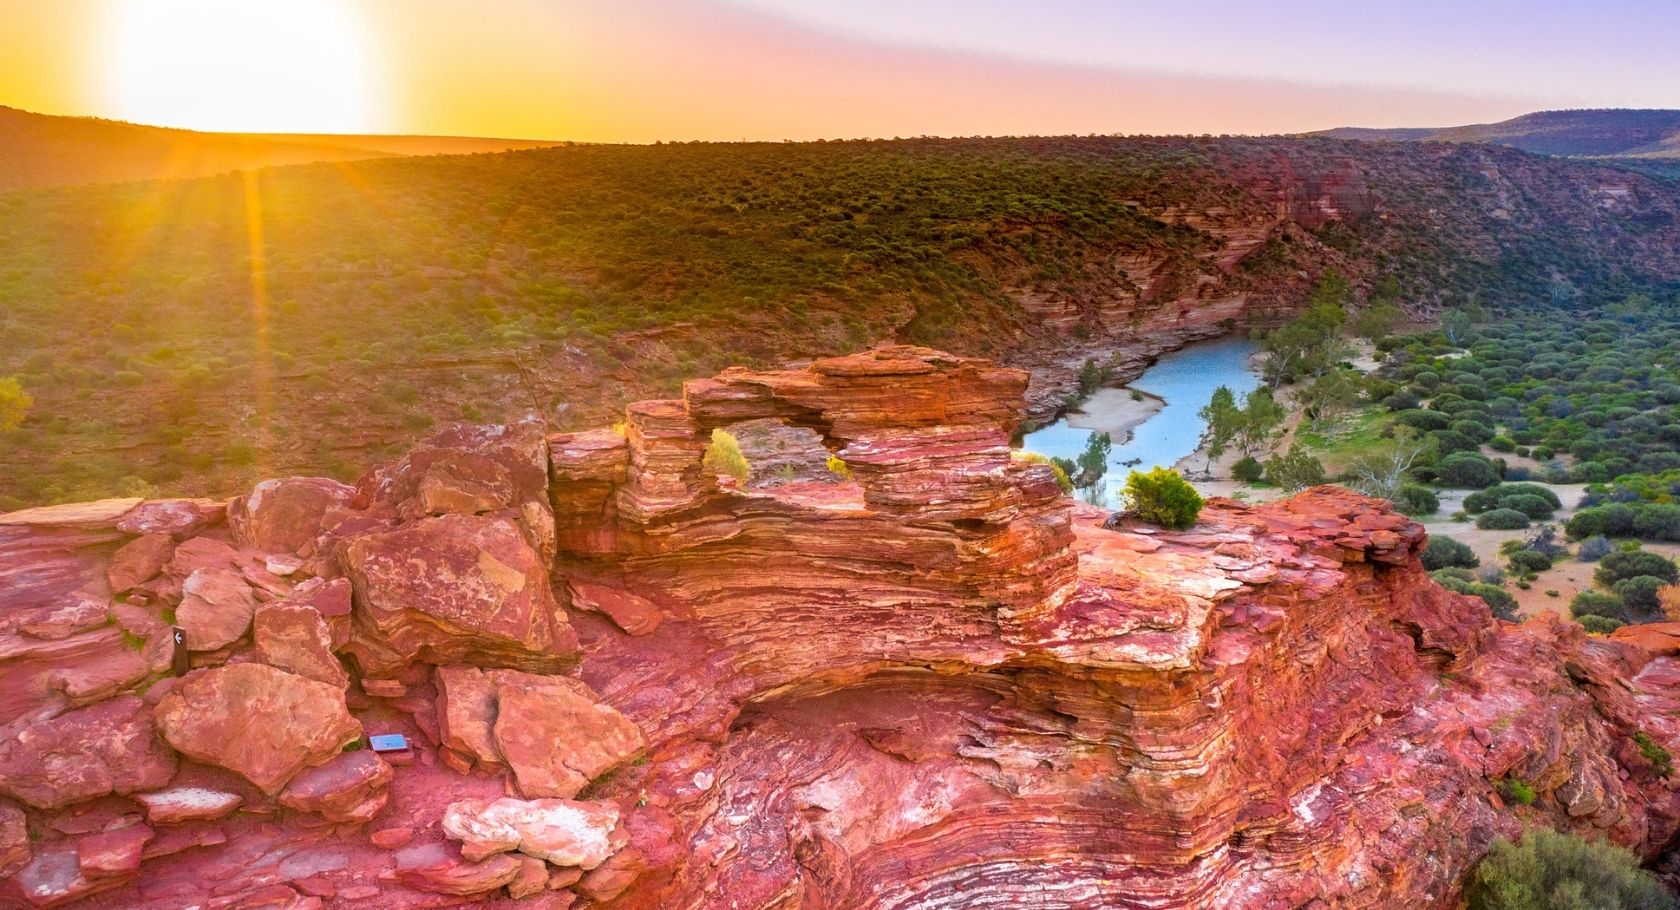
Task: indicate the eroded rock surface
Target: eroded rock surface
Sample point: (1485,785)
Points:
(935,683)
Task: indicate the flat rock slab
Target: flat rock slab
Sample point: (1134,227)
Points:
(559,831)
(110,747)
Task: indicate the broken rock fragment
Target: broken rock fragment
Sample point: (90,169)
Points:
(263,723)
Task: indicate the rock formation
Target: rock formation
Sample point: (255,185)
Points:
(933,683)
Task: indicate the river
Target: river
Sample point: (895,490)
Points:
(1162,428)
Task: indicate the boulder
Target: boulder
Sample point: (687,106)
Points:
(263,723)
(187,804)
(139,561)
(179,518)
(454,589)
(285,514)
(294,637)
(466,469)
(216,608)
(109,747)
(349,787)
(560,831)
(552,730)
(556,739)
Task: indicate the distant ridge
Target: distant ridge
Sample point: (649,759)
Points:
(43,150)
(1599,133)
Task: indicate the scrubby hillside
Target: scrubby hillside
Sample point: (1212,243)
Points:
(39,150)
(1610,132)
(190,336)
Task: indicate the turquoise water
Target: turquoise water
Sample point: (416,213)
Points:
(1186,379)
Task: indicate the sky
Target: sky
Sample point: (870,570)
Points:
(646,70)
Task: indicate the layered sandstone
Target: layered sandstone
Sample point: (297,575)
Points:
(935,682)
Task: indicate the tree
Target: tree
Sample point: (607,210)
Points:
(1296,470)
(1546,870)
(1376,321)
(1163,497)
(1088,468)
(1310,343)
(1091,377)
(1223,419)
(1332,394)
(1382,471)
(1261,416)
(14,403)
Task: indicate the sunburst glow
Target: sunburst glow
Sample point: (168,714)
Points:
(251,65)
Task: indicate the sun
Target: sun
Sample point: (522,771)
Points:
(264,66)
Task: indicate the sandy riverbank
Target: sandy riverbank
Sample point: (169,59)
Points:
(1116,411)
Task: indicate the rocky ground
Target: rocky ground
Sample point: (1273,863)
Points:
(630,684)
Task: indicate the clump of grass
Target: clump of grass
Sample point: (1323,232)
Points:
(1654,753)
(724,457)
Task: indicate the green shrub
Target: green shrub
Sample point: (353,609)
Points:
(1162,497)
(1550,871)
(1517,791)
(1639,594)
(1600,625)
(1622,564)
(1466,471)
(1248,470)
(1502,520)
(1444,552)
(838,467)
(1598,603)
(1534,507)
(724,457)
(1414,499)
(1503,444)
(1660,760)
(1528,561)
(1494,497)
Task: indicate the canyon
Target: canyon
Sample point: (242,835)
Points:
(934,682)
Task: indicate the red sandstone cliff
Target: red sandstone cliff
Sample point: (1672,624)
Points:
(937,684)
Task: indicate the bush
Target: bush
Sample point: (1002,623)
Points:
(1528,561)
(1414,499)
(1426,421)
(1614,520)
(1534,507)
(1248,470)
(1445,553)
(14,403)
(839,468)
(1597,603)
(724,457)
(1594,548)
(1495,497)
(1296,470)
(1518,791)
(1163,497)
(1503,444)
(1661,761)
(1550,871)
(1623,564)
(1502,520)
(1498,599)
(1600,625)
(1466,471)
(1639,595)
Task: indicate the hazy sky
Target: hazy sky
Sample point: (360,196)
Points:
(640,70)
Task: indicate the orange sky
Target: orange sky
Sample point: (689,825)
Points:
(625,70)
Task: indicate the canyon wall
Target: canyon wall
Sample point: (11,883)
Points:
(626,682)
